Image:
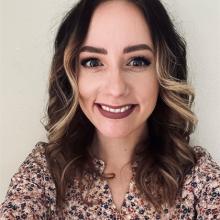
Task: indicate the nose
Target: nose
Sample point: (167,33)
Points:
(116,84)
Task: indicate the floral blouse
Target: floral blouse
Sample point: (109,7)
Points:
(32,195)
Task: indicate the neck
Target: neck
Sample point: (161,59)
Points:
(116,152)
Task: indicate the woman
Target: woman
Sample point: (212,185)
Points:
(119,124)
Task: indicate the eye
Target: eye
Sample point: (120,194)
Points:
(139,62)
(91,62)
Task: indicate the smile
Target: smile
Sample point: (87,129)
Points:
(116,113)
(117,110)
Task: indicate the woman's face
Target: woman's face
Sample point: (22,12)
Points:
(118,73)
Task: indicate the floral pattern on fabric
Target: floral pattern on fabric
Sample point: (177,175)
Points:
(32,195)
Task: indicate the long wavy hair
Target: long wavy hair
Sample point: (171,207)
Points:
(166,156)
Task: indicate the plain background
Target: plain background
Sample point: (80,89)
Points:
(27,30)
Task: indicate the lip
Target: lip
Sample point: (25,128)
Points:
(113,115)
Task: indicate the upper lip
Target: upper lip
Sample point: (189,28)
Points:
(114,107)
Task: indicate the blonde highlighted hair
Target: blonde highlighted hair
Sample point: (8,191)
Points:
(167,156)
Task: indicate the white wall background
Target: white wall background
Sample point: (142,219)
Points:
(27,30)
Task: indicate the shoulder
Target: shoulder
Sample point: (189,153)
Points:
(204,183)
(35,162)
(201,187)
(34,169)
(206,167)
(37,154)
(31,193)
(38,151)
(205,174)
(206,171)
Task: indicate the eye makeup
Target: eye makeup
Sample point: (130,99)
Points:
(138,62)
(144,61)
(90,60)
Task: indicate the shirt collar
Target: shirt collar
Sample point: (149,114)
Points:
(100,164)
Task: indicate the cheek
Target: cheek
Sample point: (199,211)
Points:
(148,90)
(87,88)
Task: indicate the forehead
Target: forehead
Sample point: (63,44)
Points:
(116,24)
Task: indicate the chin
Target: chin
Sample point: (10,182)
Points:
(114,133)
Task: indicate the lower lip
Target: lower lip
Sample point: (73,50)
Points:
(118,115)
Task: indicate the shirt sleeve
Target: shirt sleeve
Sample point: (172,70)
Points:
(26,197)
(208,204)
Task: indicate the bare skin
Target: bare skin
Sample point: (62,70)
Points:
(116,81)
(122,169)
(119,185)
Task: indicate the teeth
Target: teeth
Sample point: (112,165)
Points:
(116,110)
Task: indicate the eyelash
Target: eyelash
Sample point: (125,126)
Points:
(140,58)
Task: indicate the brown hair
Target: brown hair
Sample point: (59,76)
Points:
(167,155)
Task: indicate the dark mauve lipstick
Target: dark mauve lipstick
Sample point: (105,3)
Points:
(114,115)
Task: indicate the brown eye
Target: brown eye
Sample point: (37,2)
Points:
(139,62)
(90,63)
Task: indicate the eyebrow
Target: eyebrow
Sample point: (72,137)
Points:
(128,49)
